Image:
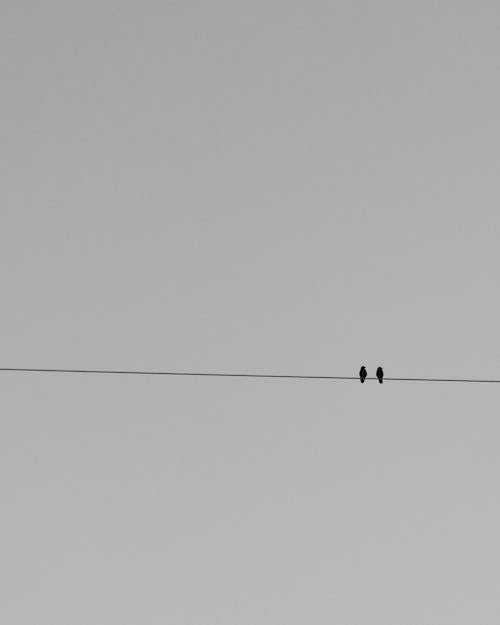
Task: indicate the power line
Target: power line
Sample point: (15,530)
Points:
(214,374)
(467,380)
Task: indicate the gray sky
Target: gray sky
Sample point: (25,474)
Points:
(277,187)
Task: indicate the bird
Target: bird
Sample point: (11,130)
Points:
(380,375)
(362,374)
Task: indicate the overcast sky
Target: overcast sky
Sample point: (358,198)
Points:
(283,187)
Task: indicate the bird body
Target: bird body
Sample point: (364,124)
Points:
(362,374)
(380,375)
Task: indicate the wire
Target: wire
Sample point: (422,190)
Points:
(213,374)
(210,374)
(469,381)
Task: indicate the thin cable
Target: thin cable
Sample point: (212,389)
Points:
(213,374)
(210,374)
(470,381)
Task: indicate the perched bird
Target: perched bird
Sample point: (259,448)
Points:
(362,374)
(380,375)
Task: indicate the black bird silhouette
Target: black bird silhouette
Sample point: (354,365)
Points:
(380,375)
(362,374)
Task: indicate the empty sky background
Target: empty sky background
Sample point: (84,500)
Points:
(294,187)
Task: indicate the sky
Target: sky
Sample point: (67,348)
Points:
(271,187)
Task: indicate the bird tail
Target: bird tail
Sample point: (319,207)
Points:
(362,380)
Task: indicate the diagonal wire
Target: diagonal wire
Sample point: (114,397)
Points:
(215,374)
